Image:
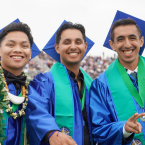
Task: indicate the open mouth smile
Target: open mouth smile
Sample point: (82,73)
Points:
(17,58)
(73,54)
(128,52)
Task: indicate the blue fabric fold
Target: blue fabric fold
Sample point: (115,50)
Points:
(106,127)
(40,117)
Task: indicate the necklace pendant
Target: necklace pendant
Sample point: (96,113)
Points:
(15,99)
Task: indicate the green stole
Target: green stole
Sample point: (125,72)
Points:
(123,97)
(23,128)
(64,107)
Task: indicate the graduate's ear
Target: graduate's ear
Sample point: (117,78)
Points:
(86,45)
(112,45)
(141,41)
(30,54)
(0,51)
(57,48)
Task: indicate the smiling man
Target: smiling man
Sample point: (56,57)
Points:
(15,43)
(18,60)
(117,96)
(58,108)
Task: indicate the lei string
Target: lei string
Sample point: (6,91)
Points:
(5,102)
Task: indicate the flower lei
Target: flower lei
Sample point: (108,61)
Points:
(5,102)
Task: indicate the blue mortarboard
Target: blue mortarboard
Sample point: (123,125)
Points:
(34,48)
(120,15)
(50,49)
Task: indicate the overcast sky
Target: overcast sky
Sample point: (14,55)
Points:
(45,16)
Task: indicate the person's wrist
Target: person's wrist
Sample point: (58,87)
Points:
(125,133)
(51,133)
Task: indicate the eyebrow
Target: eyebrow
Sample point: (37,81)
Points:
(79,39)
(68,39)
(15,41)
(132,35)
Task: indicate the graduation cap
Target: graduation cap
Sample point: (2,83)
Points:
(34,48)
(120,15)
(50,49)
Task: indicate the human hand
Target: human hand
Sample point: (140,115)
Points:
(132,125)
(61,139)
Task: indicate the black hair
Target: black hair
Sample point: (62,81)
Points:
(124,22)
(69,25)
(17,27)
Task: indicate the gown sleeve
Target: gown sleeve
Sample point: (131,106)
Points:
(106,127)
(39,111)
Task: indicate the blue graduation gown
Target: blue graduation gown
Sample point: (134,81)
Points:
(40,110)
(14,126)
(106,127)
